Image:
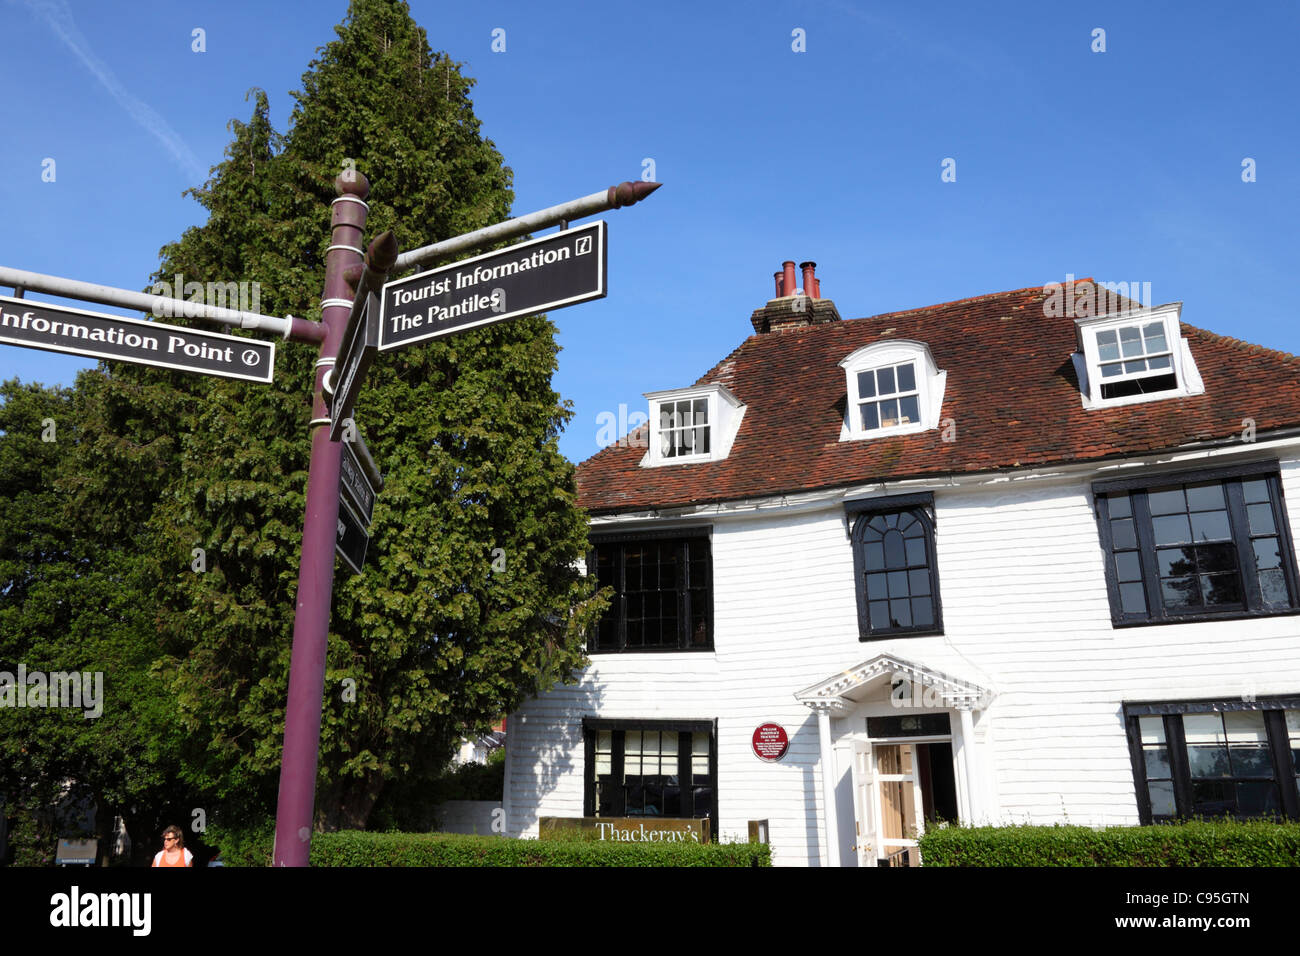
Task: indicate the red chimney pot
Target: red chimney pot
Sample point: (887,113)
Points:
(788,287)
(809,282)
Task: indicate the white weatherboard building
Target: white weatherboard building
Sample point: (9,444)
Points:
(986,561)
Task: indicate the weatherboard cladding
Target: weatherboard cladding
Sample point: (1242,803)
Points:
(1011,394)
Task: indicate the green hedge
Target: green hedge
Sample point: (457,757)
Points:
(1196,843)
(356,848)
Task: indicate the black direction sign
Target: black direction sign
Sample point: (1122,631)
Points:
(355,485)
(353,361)
(350,544)
(561,269)
(55,328)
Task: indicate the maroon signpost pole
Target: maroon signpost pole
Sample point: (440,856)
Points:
(302,718)
(343,262)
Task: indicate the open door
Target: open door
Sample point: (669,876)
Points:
(898,789)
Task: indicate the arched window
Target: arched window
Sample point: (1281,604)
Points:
(897,576)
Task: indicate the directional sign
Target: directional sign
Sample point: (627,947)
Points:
(353,361)
(56,328)
(562,269)
(350,544)
(355,485)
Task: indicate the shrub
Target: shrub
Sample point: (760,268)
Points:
(1195,843)
(358,848)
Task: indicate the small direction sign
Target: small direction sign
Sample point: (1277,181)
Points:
(354,359)
(54,328)
(539,275)
(350,544)
(355,484)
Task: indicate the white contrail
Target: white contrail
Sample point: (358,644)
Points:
(59,17)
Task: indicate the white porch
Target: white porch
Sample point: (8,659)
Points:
(877,725)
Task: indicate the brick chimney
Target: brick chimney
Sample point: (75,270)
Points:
(794,308)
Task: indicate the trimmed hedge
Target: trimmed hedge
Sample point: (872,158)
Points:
(358,848)
(1195,843)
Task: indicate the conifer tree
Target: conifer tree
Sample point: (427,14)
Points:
(470,598)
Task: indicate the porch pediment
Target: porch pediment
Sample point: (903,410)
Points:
(840,692)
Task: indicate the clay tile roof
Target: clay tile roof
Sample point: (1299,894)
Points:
(1011,393)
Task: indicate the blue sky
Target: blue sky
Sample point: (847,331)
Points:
(1125,164)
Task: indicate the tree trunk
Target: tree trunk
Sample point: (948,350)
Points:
(347,805)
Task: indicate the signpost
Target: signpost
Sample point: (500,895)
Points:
(534,276)
(56,328)
(555,271)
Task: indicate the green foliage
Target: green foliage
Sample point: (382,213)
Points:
(353,848)
(1196,843)
(98,565)
(415,805)
(72,576)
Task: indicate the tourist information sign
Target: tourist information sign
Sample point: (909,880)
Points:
(55,328)
(558,270)
(353,360)
(350,543)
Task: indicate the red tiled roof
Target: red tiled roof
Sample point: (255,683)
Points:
(1011,392)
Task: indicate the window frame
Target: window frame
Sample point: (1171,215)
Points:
(891,353)
(657,406)
(682,536)
(1171,713)
(1187,380)
(1233,476)
(724,412)
(592,726)
(857,514)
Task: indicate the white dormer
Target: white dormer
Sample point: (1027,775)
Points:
(692,424)
(1135,356)
(894,388)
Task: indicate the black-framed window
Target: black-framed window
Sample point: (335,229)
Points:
(1197,546)
(1215,758)
(895,571)
(663,591)
(651,768)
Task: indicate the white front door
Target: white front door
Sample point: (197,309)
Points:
(864,802)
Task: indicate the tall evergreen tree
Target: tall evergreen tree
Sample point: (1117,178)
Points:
(431,642)
(157,540)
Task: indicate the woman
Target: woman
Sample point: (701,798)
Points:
(173,852)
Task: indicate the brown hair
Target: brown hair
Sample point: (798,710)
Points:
(176,832)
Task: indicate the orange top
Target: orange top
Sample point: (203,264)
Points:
(183,860)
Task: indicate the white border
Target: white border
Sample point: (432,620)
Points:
(601,251)
(92,353)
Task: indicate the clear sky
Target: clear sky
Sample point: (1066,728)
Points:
(1126,165)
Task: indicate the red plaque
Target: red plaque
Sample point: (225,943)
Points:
(770,741)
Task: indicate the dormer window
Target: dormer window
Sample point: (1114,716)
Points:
(888,397)
(1135,360)
(692,425)
(684,428)
(894,387)
(1138,356)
